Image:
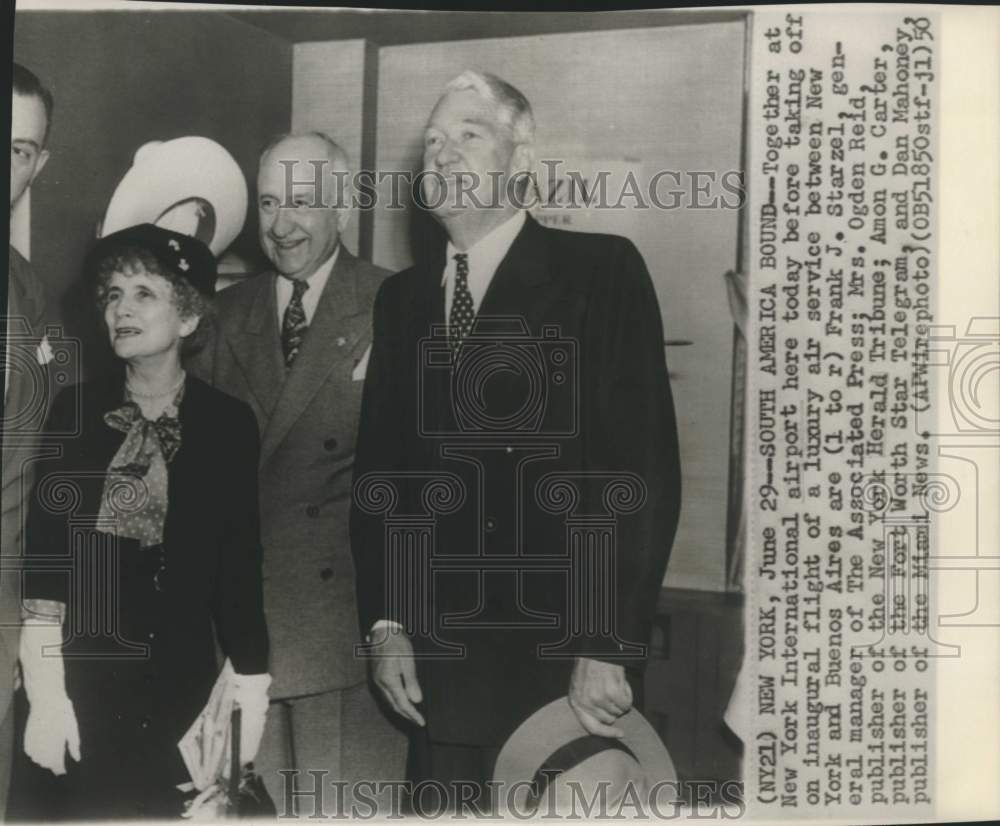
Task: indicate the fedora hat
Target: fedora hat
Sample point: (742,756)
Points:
(552,745)
(190,185)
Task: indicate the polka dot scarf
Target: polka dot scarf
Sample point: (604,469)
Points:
(134,501)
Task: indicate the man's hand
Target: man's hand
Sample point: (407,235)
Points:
(599,694)
(395,672)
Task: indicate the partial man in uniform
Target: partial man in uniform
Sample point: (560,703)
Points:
(294,343)
(498,626)
(25,384)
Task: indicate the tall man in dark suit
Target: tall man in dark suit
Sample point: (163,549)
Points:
(537,435)
(293,343)
(25,384)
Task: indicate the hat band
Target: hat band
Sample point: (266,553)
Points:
(569,756)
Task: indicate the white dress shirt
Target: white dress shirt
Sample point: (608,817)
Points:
(310,298)
(484,259)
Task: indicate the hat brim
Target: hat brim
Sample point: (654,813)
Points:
(175,171)
(556,724)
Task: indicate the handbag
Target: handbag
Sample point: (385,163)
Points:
(248,798)
(241,794)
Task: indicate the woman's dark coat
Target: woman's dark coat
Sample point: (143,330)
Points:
(140,651)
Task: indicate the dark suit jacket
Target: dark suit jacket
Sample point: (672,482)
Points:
(602,411)
(26,403)
(132,710)
(26,397)
(308,421)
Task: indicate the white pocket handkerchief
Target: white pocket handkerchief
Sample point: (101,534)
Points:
(44,353)
(362,366)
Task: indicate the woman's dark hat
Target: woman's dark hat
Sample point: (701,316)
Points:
(183,255)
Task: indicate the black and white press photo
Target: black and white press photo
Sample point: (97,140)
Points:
(461,414)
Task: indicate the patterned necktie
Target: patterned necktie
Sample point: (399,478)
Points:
(462,308)
(294,324)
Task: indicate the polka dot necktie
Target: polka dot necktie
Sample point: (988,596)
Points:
(294,324)
(462,308)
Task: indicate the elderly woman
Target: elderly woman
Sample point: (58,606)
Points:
(143,546)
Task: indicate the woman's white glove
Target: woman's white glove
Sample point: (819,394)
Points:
(250,694)
(51,728)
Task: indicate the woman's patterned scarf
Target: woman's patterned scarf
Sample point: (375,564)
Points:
(134,501)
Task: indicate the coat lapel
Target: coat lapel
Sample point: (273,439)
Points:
(518,287)
(21,327)
(521,289)
(25,296)
(257,348)
(330,344)
(517,303)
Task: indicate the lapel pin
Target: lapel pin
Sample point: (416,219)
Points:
(341,341)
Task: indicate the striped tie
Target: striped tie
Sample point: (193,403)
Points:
(294,324)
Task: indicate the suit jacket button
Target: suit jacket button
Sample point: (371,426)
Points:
(145,723)
(326,574)
(312,511)
(330,444)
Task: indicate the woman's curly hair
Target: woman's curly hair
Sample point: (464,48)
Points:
(187,298)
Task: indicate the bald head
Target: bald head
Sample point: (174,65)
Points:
(302,200)
(318,146)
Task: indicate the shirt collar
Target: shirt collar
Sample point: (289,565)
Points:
(316,281)
(487,253)
(319,278)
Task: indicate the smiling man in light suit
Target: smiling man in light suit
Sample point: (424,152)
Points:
(293,343)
